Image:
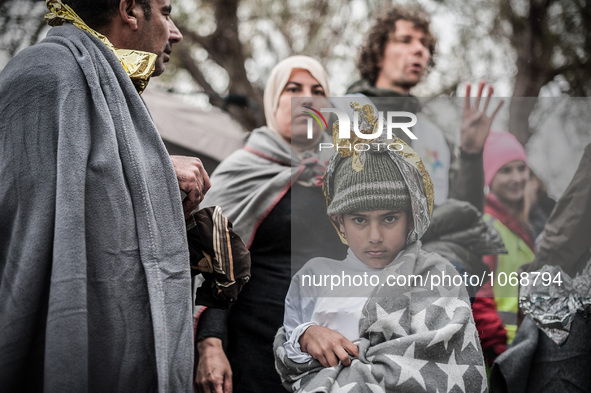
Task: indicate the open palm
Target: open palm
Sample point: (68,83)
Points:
(475,122)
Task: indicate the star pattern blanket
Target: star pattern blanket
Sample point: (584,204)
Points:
(412,339)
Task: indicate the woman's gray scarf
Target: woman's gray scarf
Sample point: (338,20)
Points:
(248,184)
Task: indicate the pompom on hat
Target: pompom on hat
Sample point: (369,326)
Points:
(500,148)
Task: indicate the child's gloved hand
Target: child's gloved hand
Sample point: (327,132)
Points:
(328,346)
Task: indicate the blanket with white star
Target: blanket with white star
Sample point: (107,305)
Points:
(412,339)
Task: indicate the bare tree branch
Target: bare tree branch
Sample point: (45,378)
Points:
(225,49)
(188,63)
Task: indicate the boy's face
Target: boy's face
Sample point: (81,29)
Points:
(376,236)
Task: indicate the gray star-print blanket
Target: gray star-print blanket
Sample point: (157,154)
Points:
(413,339)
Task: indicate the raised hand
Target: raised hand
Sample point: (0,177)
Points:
(475,122)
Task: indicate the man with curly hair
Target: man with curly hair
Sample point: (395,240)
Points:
(398,52)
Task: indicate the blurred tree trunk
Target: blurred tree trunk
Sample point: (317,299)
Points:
(531,40)
(543,52)
(280,29)
(223,46)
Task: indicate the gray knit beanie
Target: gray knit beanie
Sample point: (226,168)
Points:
(379,186)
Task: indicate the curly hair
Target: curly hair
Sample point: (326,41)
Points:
(98,13)
(372,51)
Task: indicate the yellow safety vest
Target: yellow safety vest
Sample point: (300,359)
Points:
(506,295)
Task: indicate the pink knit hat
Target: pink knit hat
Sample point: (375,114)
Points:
(500,148)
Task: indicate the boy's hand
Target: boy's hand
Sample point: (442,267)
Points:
(327,346)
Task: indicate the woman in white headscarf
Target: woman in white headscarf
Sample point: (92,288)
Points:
(271,192)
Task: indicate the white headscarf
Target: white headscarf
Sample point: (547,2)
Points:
(279,78)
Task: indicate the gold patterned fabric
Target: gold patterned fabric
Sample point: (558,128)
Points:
(409,163)
(138,65)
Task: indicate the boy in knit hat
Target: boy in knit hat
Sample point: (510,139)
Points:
(364,322)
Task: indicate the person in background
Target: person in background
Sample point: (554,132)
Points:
(95,289)
(545,356)
(397,54)
(566,236)
(506,175)
(271,192)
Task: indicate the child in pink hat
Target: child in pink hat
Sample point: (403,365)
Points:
(506,174)
(500,148)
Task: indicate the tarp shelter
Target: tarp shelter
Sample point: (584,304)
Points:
(187,130)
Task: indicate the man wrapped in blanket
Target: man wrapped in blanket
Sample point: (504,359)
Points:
(390,316)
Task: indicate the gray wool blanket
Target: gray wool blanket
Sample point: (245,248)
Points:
(95,291)
(413,339)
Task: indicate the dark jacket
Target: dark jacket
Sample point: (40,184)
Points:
(458,233)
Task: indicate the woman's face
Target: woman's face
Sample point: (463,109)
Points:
(508,184)
(301,89)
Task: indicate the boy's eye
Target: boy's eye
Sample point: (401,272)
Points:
(390,219)
(359,220)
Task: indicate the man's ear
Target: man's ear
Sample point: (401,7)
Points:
(128,11)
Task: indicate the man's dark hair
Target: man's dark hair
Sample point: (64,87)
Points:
(98,13)
(372,51)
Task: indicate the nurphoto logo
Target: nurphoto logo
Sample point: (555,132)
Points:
(315,115)
(392,119)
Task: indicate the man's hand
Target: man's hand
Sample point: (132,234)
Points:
(327,346)
(475,123)
(214,374)
(193,181)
